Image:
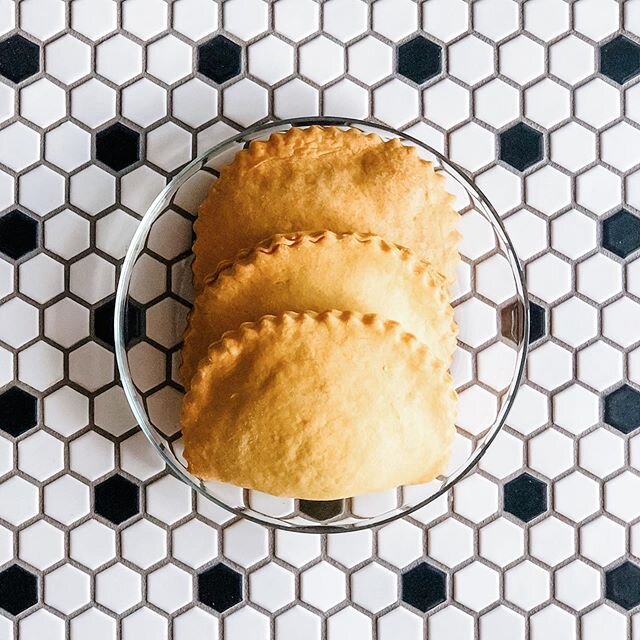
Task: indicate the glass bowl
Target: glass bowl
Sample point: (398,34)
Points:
(155,292)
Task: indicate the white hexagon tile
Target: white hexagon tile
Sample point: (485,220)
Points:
(101,102)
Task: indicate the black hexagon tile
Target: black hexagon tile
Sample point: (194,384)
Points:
(219,59)
(623,585)
(103,327)
(18,589)
(525,497)
(537,322)
(620,59)
(521,146)
(621,233)
(321,509)
(18,234)
(424,586)
(622,409)
(19,58)
(419,59)
(117,499)
(118,146)
(220,587)
(512,320)
(18,411)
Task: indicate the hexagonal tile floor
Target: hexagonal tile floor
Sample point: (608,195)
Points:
(102,102)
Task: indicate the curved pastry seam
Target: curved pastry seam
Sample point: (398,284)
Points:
(232,341)
(290,140)
(227,268)
(429,277)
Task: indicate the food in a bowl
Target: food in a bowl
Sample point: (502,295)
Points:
(326,178)
(319,406)
(320,271)
(316,362)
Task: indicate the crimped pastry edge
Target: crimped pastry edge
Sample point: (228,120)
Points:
(233,342)
(284,144)
(431,279)
(270,245)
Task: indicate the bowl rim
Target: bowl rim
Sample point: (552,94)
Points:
(156,208)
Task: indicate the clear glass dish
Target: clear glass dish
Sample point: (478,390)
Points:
(155,288)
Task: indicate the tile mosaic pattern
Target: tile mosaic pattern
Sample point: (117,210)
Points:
(102,101)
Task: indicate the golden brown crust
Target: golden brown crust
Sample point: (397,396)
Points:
(326,178)
(317,271)
(319,406)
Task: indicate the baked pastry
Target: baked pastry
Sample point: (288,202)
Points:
(320,271)
(326,178)
(319,406)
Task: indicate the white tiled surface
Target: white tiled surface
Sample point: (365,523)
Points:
(135,62)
